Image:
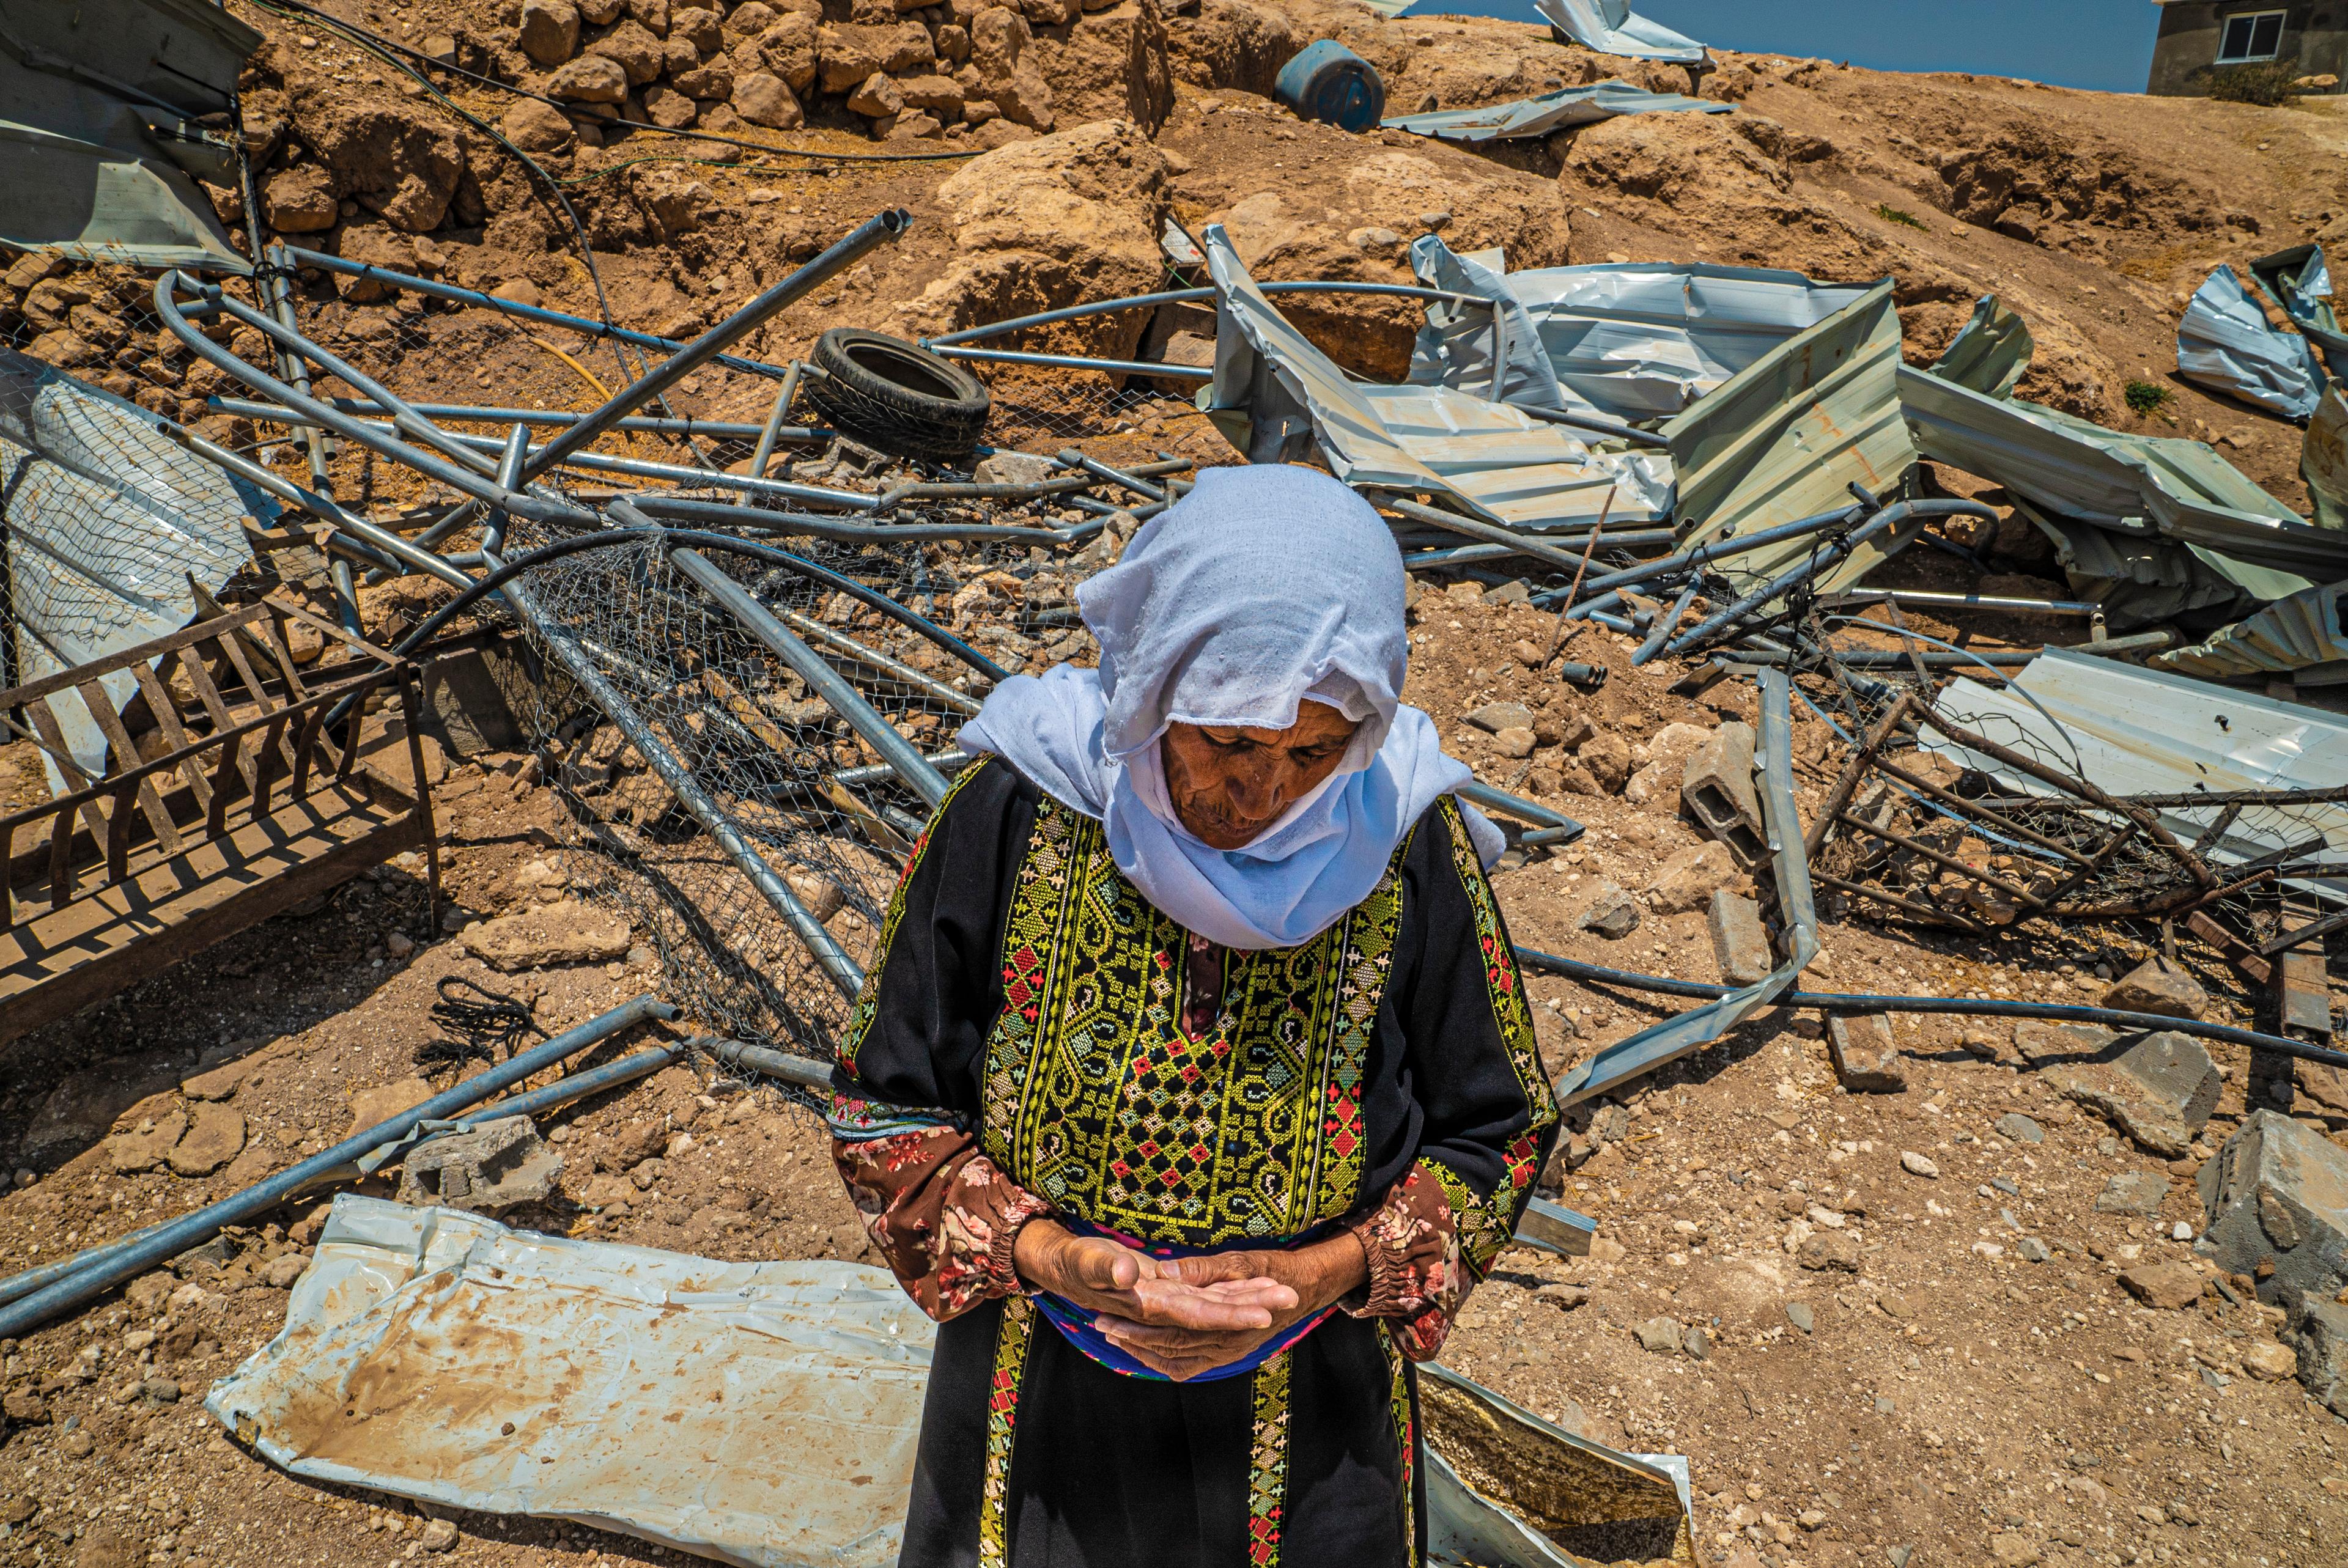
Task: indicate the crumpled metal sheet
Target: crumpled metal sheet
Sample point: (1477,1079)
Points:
(2130,731)
(764,1414)
(1699,1026)
(2298,280)
(1788,436)
(2299,637)
(2127,483)
(1276,396)
(1989,352)
(106,520)
(1611,27)
(1505,1489)
(2141,579)
(2225,342)
(1560,110)
(1635,340)
(101,176)
(2324,459)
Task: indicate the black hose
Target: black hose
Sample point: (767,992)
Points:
(1967,1006)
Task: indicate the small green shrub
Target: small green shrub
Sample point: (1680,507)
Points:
(2147,397)
(1893,215)
(2267,84)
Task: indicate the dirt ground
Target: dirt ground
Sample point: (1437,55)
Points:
(1939,1394)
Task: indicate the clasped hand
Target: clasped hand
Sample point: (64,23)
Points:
(1185,1316)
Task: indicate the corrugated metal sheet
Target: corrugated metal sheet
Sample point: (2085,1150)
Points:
(1569,107)
(1788,435)
(2298,280)
(2142,731)
(2129,483)
(2224,342)
(1989,352)
(1611,27)
(1496,462)
(2142,579)
(2298,636)
(1631,341)
(2324,459)
(100,174)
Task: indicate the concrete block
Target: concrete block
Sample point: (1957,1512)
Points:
(2278,1193)
(2158,1089)
(492,1168)
(1737,939)
(1866,1058)
(1716,789)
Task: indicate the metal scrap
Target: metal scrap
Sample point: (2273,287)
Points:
(2224,341)
(1611,27)
(1519,119)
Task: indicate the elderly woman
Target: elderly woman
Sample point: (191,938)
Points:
(1195,1086)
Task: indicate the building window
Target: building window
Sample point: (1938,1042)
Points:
(2251,36)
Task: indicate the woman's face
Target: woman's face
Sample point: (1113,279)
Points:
(1229,784)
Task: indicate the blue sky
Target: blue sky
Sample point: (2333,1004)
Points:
(2103,44)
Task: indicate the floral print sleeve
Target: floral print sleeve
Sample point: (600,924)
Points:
(1416,1276)
(943,1217)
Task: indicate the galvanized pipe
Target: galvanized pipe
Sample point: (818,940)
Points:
(1075,362)
(1931,600)
(510,475)
(169,1240)
(843,254)
(687,509)
(685,474)
(1703,554)
(895,670)
(483,413)
(1069,458)
(774,426)
(1197,296)
(1833,554)
(1492,533)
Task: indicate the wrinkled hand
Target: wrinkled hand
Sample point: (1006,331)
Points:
(1129,1287)
(1291,1284)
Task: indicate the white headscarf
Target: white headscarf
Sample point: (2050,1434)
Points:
(1266,585)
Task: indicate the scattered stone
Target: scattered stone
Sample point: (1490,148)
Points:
(2167,1286)
(1738,942)
(1828,1249)
(215,1135)
(1516,741)
(2043,1044)
(2009,1550)
(438,1535)
(380,1103)
(1897,1555)
(2029,1249)
(1697,1343)
(160,1390)
(1800,1315)
(2278,1190)
(2017,1128)
(143,1148)
(1563,1297)
(285,1269)
(492,1168)
(1660,1334)
(1895,1305)
(2319,1331)
(1613,913)
(547,936)
(1607,755)
(1915,1165)
(1866,1058)
(2133,1192)
(24,1407)
(549,31)
(76,1444)
(1691,877)
(1494,717)
(2157,986)
(589,79)
(2268,1361)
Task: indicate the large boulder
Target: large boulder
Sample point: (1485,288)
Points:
(2278,1193)
(591,79)
(766,99)
(549,31)
(1008,76)
(1049,222)
(632,47)
(1112,64)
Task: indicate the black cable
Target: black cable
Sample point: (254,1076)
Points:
(489,1024)
(280,6)
(1969,1007)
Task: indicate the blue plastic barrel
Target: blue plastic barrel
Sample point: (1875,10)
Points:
(1328,82)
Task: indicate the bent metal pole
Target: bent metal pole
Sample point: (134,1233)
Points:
(881,226)
(168,1241)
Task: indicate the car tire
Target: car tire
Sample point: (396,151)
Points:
(897,396)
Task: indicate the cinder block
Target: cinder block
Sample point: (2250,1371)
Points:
(1716,789)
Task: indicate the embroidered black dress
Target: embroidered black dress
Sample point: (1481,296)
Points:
(1021,1049)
